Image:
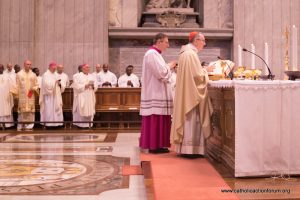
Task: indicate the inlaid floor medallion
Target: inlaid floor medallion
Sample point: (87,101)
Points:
(61,175)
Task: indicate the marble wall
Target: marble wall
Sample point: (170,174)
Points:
(125,52)
(70,32)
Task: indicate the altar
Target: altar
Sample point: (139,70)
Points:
(256,127)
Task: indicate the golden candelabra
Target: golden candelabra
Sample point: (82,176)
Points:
(286,57)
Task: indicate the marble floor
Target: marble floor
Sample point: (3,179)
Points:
(79,165)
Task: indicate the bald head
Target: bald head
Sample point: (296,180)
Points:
(9,66)
(27,65)
(60,68)
(98,68)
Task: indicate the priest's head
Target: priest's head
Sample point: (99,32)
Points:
(129,70)
(27,65)
(17,68)
(60,68)
(197,39)
(52,67)
(161,41)
(36,71)
(85,68)
(9,66)
(105,67)
(98,68)
(1,68)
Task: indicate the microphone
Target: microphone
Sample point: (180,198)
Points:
(270,75)
(230,74)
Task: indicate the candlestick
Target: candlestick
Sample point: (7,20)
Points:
(240,55)
(266,58)
(295,48)
(252,57)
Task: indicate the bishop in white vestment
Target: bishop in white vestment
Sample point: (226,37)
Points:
(50,98)
(84,87)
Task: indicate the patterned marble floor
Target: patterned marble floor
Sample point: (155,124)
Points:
(69,166)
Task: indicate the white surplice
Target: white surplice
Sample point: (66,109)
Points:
(5,100)
(84,99)
(50,100)
(107,77)
(65,82)
(122,82)
(156,96)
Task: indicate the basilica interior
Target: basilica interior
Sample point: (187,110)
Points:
(253,151)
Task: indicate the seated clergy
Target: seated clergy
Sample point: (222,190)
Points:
(62,76)
(5,98)
(50,97)
(84,87)
(106,78)
(128,79)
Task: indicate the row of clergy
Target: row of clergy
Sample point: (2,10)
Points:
(50,92)
(102,75)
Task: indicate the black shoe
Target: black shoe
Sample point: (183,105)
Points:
(154,151)
(191,156)
(164,150)
(159,150)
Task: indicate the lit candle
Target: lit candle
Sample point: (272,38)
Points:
(295,48)
(266,58)
(252,57)
(240,55)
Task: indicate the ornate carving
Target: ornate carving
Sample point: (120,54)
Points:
(170,18)
(168,4)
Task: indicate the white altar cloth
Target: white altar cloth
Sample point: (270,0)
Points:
(267,126)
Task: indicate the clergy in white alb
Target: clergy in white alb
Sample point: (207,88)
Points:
(63,77)
(10,72)
(156,98)
(128,79)
(84,88)
(6,101)
(25,89)
(106,78)
(191,116)
(50,98)
(98,69)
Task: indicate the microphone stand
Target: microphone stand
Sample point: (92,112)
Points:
(270,76)
(230,74)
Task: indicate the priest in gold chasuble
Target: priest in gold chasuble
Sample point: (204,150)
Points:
(191,114)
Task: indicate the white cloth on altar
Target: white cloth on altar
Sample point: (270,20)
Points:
(6,100)
(65,82)
(50,100)
(156,95)
(193,139)
(122,82)
(107,77)
(266,127)
(84,99)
